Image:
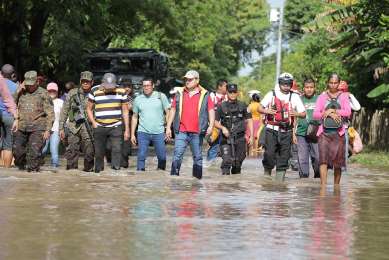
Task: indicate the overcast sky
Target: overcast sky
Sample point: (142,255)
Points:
(245,70)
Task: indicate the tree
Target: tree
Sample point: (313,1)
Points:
(53,36)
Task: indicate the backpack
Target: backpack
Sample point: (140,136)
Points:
(329,122)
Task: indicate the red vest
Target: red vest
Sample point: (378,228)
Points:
(281,118)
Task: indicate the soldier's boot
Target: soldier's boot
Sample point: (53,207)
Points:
(175,170)
(280,175)
(88,166)
(267,172)
(71,166)
(161,165)
(197,171)
(235,170)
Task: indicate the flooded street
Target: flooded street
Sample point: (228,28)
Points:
(150,215)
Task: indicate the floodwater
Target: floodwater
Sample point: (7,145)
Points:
(150,215)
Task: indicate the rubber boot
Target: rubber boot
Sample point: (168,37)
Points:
(197,171)
(235,170)
(267,172)
(175,170)
(88,166)
(280,175)
(161,165)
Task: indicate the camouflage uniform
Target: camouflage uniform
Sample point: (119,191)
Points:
(78,135)
(35,115)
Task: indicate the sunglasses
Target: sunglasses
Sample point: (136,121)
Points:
(189,80)
(233,91)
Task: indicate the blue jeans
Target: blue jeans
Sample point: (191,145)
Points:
(144,140)
(181,142)
(214,149)
(6,138)
(306,150)
(54,145)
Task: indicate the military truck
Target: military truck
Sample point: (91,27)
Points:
(132,64)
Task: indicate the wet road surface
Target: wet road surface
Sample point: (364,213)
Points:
(150,215)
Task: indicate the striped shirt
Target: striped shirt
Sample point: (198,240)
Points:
(108,106)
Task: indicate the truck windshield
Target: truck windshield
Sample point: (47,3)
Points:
(122,64)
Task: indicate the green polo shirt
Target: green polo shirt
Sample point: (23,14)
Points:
(151,112)
(302,123)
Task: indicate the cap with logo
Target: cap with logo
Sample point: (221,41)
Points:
(232,88)
(191,74)
(30,77)
(109,81)
(86,75)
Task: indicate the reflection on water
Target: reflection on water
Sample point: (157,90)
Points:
(70,215)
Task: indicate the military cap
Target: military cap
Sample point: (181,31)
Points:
(86,75)
(30,77)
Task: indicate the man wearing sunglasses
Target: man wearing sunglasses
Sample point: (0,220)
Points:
(192,115)
(231,118)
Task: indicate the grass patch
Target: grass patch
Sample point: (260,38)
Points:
(372,158)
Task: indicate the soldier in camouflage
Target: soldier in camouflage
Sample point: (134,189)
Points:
(34,122)
(74,116)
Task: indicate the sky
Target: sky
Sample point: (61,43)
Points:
(246,69)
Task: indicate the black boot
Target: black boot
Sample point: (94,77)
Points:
(161,165)
(175,170)
(235,170)
(197,171)
(88,166)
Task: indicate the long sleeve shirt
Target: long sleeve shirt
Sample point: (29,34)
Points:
(344,111)
(6,97)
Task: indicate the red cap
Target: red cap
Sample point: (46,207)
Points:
(295,87)
(343,86)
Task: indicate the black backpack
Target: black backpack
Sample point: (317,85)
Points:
(329,122)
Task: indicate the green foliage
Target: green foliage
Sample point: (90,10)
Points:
(310,58)
(210,36)
(365,38)
(299,13)
(349,38)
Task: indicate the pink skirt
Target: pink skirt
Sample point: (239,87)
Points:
(256,126)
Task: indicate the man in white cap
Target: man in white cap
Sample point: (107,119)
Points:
(192,115)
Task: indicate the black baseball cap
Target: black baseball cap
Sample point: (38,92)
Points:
(232,88)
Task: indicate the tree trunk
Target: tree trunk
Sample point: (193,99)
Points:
(40,14)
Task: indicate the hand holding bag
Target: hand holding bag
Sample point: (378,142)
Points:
(312,129)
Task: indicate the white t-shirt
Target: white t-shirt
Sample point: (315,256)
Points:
(58,103)
(355,106)
(296,103)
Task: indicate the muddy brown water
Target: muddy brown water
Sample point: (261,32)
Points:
(150,215)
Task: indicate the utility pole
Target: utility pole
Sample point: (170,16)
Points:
(279,45)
